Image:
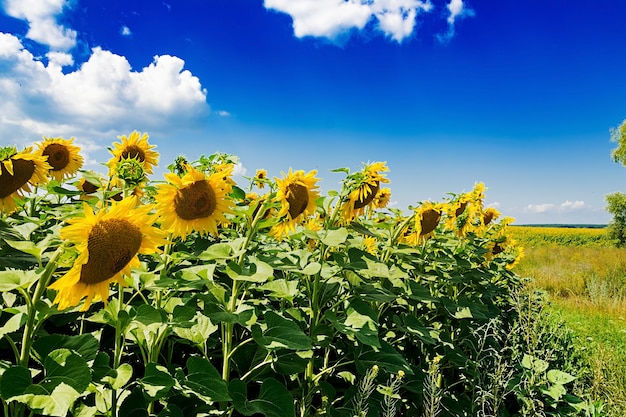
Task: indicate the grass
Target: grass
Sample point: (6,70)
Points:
(584,276)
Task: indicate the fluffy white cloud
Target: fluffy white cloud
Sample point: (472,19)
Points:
(41,18)
(540,208)
(125,31)
(101,98)
(563,207)
(457,10)
(331,18)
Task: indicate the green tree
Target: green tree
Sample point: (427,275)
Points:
(617,207)
(619,135)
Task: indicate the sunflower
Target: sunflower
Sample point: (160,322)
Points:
(489,215)
(108,243)
(260,177)
(365,186)
(194,202)
(133,147)
(382,198)
(427,217)
(63,156)
(296,195)
(19,170)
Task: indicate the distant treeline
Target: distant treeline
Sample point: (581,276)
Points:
(567,226)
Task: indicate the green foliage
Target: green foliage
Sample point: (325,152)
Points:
(618,135)
(616,205)
(241,323)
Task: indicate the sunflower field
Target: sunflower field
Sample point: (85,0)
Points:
(192,295)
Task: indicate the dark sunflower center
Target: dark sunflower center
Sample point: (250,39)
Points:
(133,152)
(430,220)
(362,202)
(89,188)
(460,209)
(111,246)
(58,156)
(497,249)
(195,201)
(298,199)
(22,172)
(487,218)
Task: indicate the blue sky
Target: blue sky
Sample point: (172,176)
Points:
(518,95)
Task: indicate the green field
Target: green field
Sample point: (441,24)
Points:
(584,274)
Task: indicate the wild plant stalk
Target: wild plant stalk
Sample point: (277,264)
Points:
(391,399)
(432,389)
(365,389)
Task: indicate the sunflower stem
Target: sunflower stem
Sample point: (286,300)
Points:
(117,357)
(31,303)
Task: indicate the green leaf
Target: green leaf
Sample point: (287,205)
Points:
(26,246)
(146,314)
(555,391)
(217,251)
(68,367)
(559,377)
(14,381)
(157,381)
(258,271)
(532,363)
(280,333)
(199,332)
(13,324)
(334,237)
(386,357)
(274,399)
(55,403)
(11,280)
(204,381)
(134,405)
(86,345)
(119,377)
(281,289)
(312,268)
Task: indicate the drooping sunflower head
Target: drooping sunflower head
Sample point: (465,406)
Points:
(490,214)
(107,243)
(382,198)
(135,146)
(19,171)
(297,192)
(427,217)
(260,177)
(62,155)
(363,187)
(195,202)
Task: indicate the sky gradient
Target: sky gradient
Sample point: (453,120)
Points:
(518,95)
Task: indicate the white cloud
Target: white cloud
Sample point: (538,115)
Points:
(125,31)
(495,204)
(540,208)
(223,113)
(566,206)
(41,18)
(331,18)
(457,10)
(573,205)
(103,97)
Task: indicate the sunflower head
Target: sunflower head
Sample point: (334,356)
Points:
(426,220)
(63,156)
(490,214)
(260,178)
(131,171)
(363,187)
(19,171)
(382,198)
(107,243)
(297,192)
(196,201)
(135,146)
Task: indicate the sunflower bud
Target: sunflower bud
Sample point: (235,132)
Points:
(131,171)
